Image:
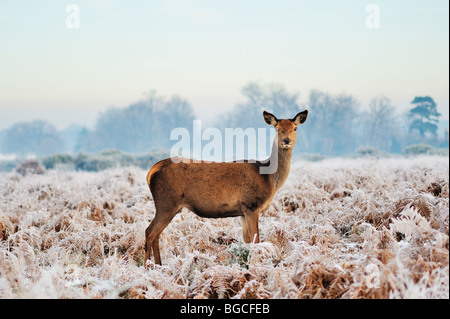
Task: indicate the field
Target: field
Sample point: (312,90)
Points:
(339,228)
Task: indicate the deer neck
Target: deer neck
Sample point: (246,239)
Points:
(283,157)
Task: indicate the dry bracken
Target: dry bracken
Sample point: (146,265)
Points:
(339,228)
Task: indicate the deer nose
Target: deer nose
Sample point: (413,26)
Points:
(287,140)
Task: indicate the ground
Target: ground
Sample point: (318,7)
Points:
(338,228)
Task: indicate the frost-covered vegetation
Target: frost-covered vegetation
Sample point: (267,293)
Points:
(339,228)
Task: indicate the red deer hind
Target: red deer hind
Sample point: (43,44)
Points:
(218,190)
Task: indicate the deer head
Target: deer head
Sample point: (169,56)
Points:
(286,129)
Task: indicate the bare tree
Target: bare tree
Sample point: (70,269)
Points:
(381,124)
(36,137)
(272,97)
(137,128)
(332,123)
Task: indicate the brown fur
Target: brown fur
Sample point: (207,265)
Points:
(218,190)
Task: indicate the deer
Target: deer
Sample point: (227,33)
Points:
(220,189)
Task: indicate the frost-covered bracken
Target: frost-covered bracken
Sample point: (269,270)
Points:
(340,228)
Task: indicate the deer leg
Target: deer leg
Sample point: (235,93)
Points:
(251,219)
(152,233)
(148,240)
(245,232)
(155,247)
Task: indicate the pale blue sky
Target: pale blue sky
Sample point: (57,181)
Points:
(205,51)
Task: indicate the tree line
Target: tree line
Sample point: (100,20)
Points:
(337,124)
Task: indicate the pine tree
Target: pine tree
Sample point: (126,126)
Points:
(424,116)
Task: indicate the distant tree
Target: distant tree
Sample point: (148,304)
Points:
(273,98)
(332,121)
(249,114)
(137,128)
(424,116)
(87,141)
(37,137)
(70,136)
(381,124)
(329,129)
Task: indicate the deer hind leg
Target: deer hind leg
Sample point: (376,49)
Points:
(162,218)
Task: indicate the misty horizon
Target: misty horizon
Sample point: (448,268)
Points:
(86,116)
(338,125)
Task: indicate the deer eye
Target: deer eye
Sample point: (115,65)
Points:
(295,129)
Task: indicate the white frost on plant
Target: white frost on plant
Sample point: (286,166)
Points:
(332,225)
(411,224)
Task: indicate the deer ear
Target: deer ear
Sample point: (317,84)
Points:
(300,118)
(270,118)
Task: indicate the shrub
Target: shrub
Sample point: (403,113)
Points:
(113,157)
(30,167)
(241,253)
(7,166)
(419,149)
(92,163)
(369,151)
(442,151)
(311,157)
(110,152)
(146,161)
(103,160)
(52,161)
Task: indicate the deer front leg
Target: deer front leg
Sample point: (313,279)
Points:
(245,233)
(252,222)
(251,219)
